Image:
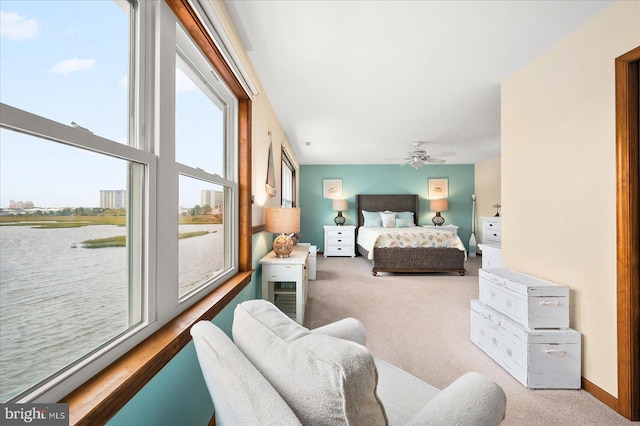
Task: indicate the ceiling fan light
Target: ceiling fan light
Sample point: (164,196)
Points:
(416,163)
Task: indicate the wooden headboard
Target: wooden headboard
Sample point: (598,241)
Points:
(393,202)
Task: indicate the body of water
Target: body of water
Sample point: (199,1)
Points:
(59,301)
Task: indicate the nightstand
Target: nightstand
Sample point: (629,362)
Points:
(284,281)
(339,240)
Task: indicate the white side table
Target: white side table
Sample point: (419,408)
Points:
(339,240)
(285,279)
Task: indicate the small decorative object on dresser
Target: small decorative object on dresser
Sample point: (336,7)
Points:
(440,205)
(340,206)
(522,323)
(339,240)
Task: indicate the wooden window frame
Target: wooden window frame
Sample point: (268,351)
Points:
(100,398)
(286,160)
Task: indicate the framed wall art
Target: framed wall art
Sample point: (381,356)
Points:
(438,188)
(332,188)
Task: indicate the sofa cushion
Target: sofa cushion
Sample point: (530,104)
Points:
(402,394)
(240,394)
(325,380)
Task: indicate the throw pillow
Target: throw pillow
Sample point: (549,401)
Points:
(407,216)
(403,223)
(325,380)
(388,219)
(372,219)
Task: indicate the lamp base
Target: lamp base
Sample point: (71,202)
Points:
(282,246)
(437,219)
(339,220)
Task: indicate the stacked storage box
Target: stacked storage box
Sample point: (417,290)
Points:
(522,322)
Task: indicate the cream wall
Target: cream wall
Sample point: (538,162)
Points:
(487,190)
(264,120)
(558,176)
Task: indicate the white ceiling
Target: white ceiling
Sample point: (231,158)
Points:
(356,81)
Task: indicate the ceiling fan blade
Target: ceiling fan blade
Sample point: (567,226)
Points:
(410,160)
(445,154)
(434,160)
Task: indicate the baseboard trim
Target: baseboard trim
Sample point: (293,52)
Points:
(601,395)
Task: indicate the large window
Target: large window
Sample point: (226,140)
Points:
(118,186)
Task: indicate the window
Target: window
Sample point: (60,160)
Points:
(99,153)
(288,181)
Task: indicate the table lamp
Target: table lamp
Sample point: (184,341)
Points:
(281,220)
(340,206)
(438,206)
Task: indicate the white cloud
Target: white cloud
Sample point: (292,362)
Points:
(124,81)
(16,27)
(183,82)
(72,65)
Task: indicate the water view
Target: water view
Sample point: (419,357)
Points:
(59,300)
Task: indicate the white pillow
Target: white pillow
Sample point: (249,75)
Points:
(388,219)
(324,379)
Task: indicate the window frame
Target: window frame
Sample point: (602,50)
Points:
(97,399)
(288,163)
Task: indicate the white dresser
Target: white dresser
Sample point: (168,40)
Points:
(491,246)
(522,323)
(491,230)
(339,240)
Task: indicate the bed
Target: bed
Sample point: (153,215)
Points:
(447,258)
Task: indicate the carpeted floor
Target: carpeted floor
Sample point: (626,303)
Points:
(420,323)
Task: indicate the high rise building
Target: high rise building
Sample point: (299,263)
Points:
(213,199)
(113,199)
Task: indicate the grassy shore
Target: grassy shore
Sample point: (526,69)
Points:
(121,240)
(55,222)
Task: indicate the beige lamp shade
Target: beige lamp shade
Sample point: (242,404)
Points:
(440,205)
(282,220)
(340,205)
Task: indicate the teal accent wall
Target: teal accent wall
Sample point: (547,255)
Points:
(178,395)
(315,211)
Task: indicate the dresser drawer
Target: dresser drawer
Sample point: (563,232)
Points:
(339,241)
(335,233)
(527,300)
(491,224)
(339,250)
(539,359)
(491,235)
(282,272)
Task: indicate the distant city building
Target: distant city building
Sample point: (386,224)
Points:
(113,199)
(20,204)
(213,199)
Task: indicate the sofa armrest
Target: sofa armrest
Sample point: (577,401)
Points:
(473,400)
(347,329)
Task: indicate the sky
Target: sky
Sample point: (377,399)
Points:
(68,61)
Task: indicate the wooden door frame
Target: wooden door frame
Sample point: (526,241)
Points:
(627,69)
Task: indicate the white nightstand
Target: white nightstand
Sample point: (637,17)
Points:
(284,281)
(339,240)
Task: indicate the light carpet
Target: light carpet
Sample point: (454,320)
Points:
(420,323)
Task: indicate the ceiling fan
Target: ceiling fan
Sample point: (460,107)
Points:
(418,157)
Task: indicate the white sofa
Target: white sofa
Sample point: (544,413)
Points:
(277,372)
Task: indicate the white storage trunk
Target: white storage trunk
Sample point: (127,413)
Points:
(529,301)
(539,359)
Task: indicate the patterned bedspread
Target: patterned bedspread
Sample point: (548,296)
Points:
(417,236)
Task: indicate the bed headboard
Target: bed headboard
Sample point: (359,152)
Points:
(393,202)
